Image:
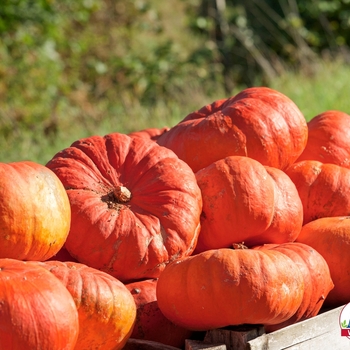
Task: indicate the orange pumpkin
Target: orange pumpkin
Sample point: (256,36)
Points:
(222,287)
(317,279)
(106,308)
(330,236)
(259,122)
(36,310)
(134,204)
(328,139)
(150,323)
(35,213)
(244,201)
(323,188)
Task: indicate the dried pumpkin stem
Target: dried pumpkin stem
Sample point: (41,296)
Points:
(239,246)
(122,194)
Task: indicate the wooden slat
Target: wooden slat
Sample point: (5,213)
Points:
(235,338)
(319,332)
(201,345)
(137,344)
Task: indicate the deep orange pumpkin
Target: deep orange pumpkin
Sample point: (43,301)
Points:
(259,122)
(35,212)
(328,139)
(244,201)
(106,308)
(150,323)
(36,310)
(135,205)
(323,188)
(222,287)
(317,279)
(330,236)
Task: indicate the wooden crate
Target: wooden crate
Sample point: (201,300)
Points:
(321,332)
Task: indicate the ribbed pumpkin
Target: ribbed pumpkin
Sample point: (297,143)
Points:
(222,287)
(36,310)
(330,236)
(150,323)
(34,211)
(317,280)
(135,205)
(259,122)
(328,139)
(106,308)
(323,188)
(244,201)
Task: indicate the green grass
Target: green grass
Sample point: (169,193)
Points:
(327,88)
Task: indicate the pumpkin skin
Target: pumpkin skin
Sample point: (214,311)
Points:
(330,236)
(317,280)
(150,323)
(106,308)
(323,188)
(36,310)
(328,139)
(244,201)
(134,204)
(150,133)
(259,122)
(35,212)
(222,287)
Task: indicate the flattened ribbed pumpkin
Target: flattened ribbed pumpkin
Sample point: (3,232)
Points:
(223,287)
(259,122)
(135,205)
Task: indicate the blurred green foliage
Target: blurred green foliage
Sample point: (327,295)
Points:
(69,69)
(255,41)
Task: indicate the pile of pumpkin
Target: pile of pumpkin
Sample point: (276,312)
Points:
(236,215)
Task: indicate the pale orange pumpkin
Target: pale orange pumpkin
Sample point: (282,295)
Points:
(35,212)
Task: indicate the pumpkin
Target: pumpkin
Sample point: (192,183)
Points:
(106,308)
(135,205)
(222,287)
(150,133)
(36,310)
(330,236)
(150,323)
(328,139)
(317,280)
(244,201)
(35,212)
(323,188)
(259,122)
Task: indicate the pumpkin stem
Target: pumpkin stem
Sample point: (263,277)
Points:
(122,194)
(239,246)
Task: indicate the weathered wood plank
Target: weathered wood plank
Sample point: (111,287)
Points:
(137,344)
(201,345)
(309,334)
(235,338)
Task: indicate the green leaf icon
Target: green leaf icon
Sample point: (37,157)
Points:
(343,324)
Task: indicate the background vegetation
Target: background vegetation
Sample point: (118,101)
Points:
(72,69)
